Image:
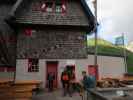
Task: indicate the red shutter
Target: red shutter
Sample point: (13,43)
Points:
(28,32)
(93,70)
(12,39)
(43,7)
(29,65)
(63,6)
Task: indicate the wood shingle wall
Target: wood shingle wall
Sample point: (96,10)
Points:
(52,44)
(30,13)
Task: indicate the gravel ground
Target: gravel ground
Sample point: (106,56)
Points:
(56,95)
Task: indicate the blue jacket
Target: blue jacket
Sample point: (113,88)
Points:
(89,81)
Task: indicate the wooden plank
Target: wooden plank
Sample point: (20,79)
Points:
(23,99)
(20,90)
(31,82)
(22,95)
(21,87)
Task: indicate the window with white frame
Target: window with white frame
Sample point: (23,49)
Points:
(58,8)
(33,65)
(49,6)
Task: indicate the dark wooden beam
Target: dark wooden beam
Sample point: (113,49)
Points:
(86,28)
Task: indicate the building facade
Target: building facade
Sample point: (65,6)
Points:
(108,66)
(52,34)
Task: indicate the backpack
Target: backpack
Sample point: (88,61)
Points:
(65,77)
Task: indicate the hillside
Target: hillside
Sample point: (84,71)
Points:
(107,48)
(130,46)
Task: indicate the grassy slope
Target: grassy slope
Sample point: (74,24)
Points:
(107,48)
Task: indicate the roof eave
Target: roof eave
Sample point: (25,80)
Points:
(89,14)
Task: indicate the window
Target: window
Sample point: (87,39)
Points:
(58,8)
(47,7)
(33,65)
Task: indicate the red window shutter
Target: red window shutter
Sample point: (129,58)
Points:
(29,65)
(12,39)
(28,32)
(63,6)
(43,7)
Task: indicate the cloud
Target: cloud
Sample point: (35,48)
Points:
(115,18)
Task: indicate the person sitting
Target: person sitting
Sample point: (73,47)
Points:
(88,81)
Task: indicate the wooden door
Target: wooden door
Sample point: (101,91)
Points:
(52,67)
(93,70)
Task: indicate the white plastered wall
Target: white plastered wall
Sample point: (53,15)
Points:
(108,67)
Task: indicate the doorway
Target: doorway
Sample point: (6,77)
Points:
(71,69)
(93,70)
(52,67)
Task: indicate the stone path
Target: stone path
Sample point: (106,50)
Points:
(56,95)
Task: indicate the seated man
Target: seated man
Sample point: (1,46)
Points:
(88,81)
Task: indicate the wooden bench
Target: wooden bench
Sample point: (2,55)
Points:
(24,89)
(4,89)
(29,84)
(18,90)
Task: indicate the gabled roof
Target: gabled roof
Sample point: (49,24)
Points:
(84,5)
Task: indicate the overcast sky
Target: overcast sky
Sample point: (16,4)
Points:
(115,17)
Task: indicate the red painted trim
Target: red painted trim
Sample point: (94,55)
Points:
(11,69)
(57,74)
(28,32)
(2,69)
(52,62)
(64,2)
(43,9)
(53,6)
(7,69)
(93,70)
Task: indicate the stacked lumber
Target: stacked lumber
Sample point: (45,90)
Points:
(110,83)
(19,90)
(4,89)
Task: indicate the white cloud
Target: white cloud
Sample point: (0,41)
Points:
(115,18)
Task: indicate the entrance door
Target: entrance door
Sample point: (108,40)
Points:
(52,68)
(71,69)
(93,70)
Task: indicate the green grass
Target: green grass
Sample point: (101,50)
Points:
(107,48)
